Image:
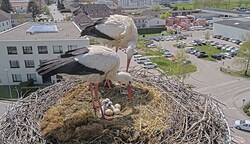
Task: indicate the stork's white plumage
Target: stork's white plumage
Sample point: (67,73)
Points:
(94,63)
(115,31)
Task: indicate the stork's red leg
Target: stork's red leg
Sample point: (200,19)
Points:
(108,83)
(92,96)
(98,99)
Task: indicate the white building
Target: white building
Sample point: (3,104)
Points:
(25,46)
(5,21)
(19,6)
(148,22)
(235,28)
(134,3)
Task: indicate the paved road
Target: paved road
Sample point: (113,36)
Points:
(57,16)
(224,88)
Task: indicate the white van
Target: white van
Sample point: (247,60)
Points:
(242,125)
(141,60)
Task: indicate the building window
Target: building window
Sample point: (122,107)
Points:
(42,61)
(57,49)
(157,22)
(12,50)
(71,47)
(16,77)
(3,24)
(14,64)
(29,63)
(42,50)
(31,76)
(27,50)
(7,23)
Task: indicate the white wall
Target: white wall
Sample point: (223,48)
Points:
(156,22)
(5,25)
(4,57)
(231,32)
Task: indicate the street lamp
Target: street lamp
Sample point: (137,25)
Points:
(8,83)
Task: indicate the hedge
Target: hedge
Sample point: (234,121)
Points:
(151,30)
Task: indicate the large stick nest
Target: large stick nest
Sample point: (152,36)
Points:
(163,110)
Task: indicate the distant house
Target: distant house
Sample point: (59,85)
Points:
(19,6)
(94,11)
(17,19)
(151,13)
(75,6)
(82,20)
(5,21)
(148,22)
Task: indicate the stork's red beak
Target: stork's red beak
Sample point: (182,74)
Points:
(129,92)
(128,63)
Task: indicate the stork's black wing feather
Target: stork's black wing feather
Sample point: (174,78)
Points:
(74,52)
(92,31)
(66,64)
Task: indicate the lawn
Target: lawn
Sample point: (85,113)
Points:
(172,68)
(233,4)
(150,35)
(236,73)
(156,52)
(4,92)
(209,50)
(140,44)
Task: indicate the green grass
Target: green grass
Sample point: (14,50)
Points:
(236,73)
(4,92)
(172,68)
(209,50)
(150,35)
(230,6)
(150,52)
(140,44)
(184,5)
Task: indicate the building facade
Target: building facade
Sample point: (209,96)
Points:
(24,48)
(148,22)
(5,21)
(20,18)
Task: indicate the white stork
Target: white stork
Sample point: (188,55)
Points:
(115,31)
(94,63)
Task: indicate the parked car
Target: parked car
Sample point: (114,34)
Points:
(217,56)
(152,46)
(219,46)
(135,52)
(168,54)
(142,60)
(227,55)
(199,52)
(202,55)
(137,56)
(189,49)
(149,65)
(242,125)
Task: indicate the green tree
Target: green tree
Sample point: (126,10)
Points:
(165,15)
(181,58)
(244,54)
(207,35)
(32,8)
(6,6)
(20,19)
(156,8)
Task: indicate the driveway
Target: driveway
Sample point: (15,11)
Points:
(226,89)
(57,15)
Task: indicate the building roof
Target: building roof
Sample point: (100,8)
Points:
(75,5)
(82,20)
(150,12)
(66,30)
(18,15)
(4,16)
(97,10)
(236,23)
(202,15)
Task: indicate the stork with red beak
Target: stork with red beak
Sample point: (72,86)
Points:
(115,31)
(94,63)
